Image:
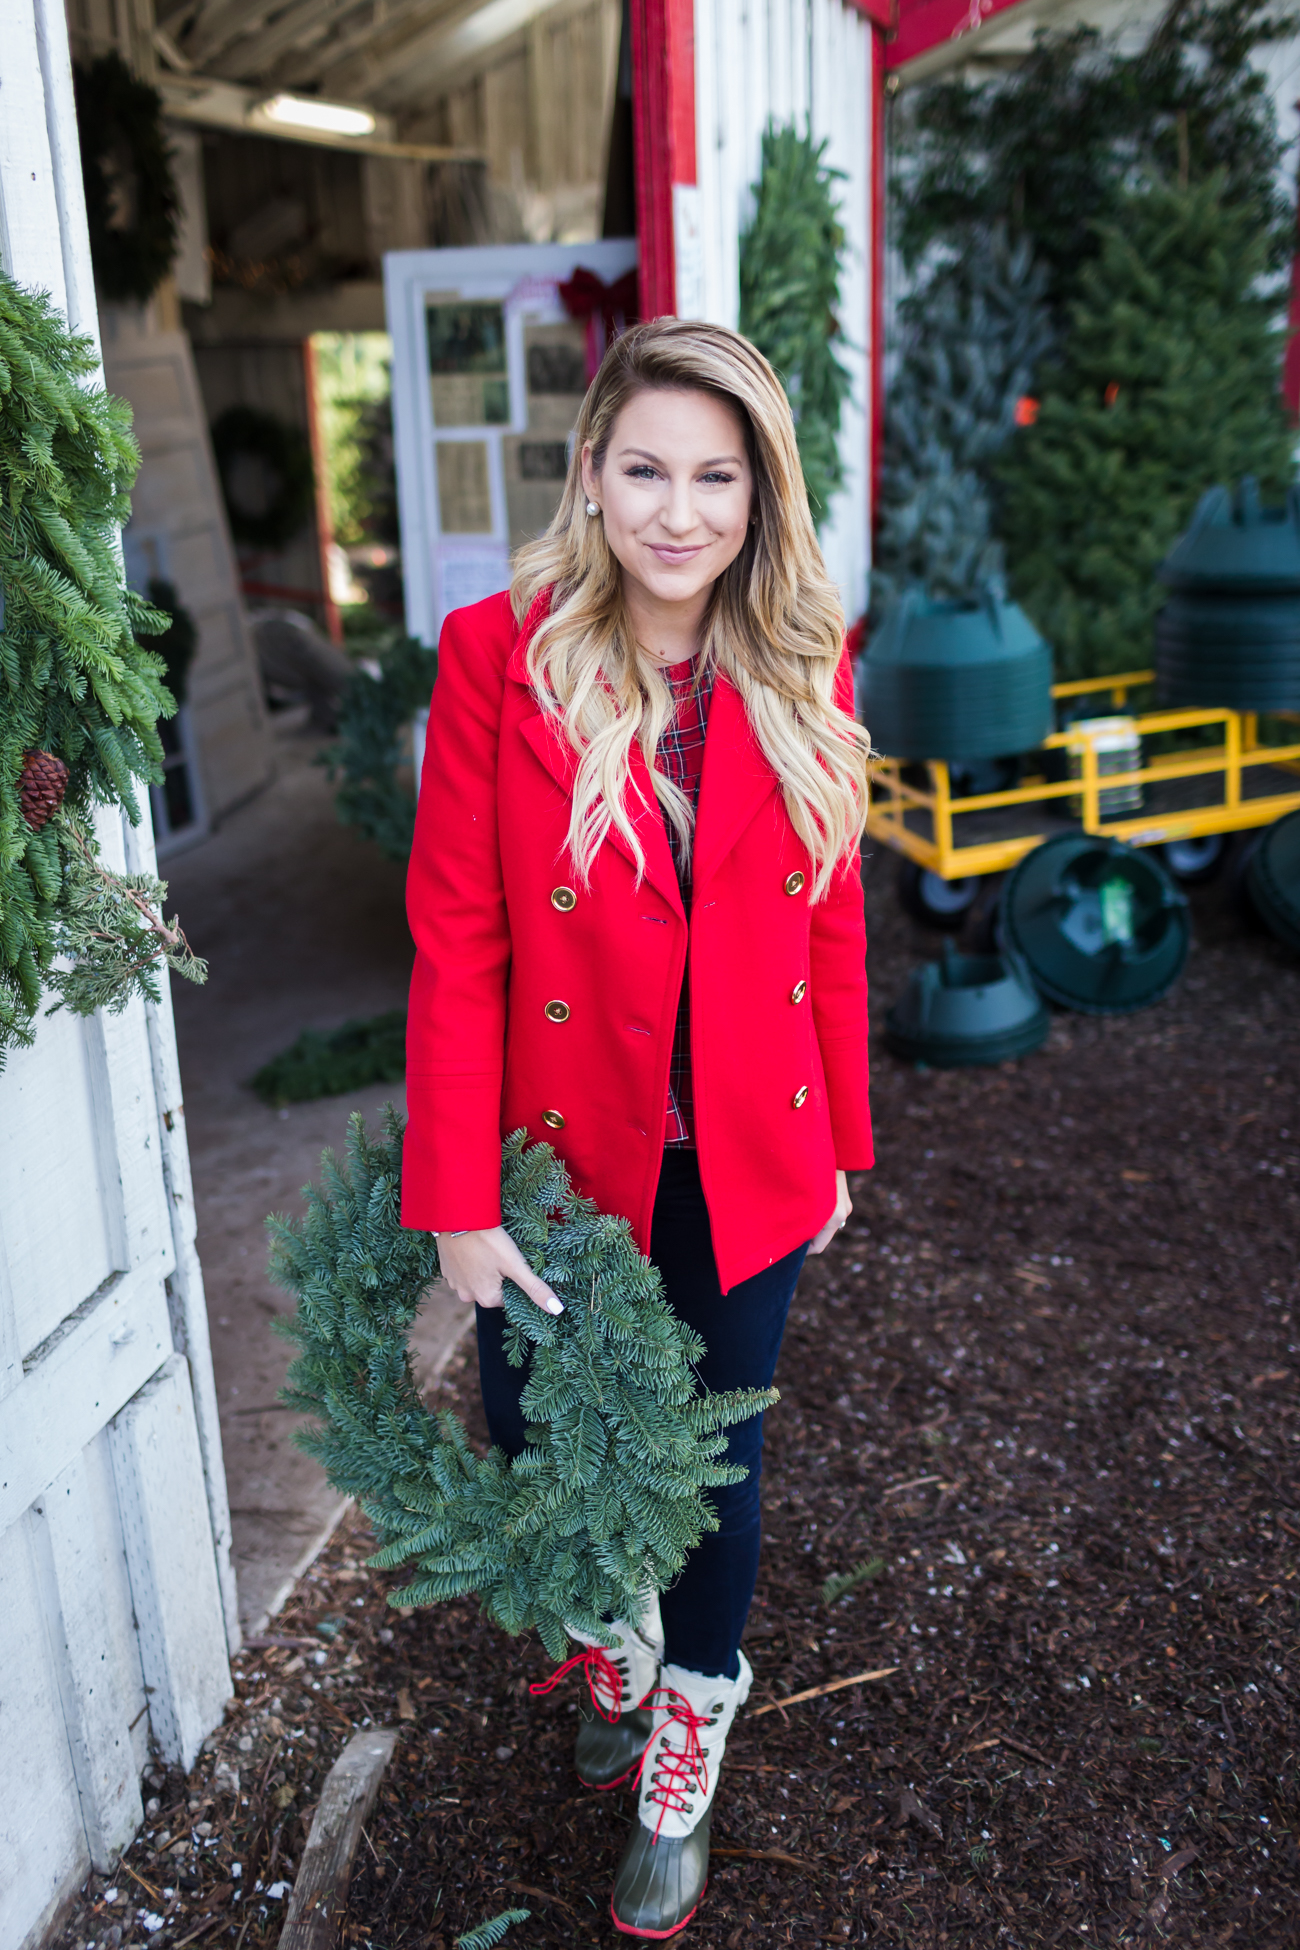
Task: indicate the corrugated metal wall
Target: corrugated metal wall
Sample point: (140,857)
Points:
(801,61)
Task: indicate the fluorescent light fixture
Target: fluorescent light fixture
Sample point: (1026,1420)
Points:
(327,118)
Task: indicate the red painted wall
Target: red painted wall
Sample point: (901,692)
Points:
(923,24)
(663,134)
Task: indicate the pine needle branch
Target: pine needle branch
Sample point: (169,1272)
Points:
(487,1935)
(112,930)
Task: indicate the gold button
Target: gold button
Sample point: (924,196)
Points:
(800,1097)
(554,1119)
(557,1012)
(565,899)
(794,882)
(799,991)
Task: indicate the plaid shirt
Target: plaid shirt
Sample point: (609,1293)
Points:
(680,757)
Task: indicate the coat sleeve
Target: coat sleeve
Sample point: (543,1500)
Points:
(455,898)
(839,997)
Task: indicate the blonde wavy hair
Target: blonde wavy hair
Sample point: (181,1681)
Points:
(773,626)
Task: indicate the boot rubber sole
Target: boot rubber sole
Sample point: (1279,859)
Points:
(658,1936)
(604,1787)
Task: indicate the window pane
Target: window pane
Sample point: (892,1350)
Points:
(467,365)
(464,496)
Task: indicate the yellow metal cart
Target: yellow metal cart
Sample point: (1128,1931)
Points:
(1207,786)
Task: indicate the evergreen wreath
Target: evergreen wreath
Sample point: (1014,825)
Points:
(790,294)
(132,205)
(79,696)
(605,1501)
(284,455)
(373,716)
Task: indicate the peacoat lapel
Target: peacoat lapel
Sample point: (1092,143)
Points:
(733,785)
(561,761)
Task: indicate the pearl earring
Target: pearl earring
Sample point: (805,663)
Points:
(592,509)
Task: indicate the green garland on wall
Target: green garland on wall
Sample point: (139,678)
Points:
(790,294)
(132,206)
(79,696)
(607,1498)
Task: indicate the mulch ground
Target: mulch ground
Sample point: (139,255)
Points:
(1043,1395)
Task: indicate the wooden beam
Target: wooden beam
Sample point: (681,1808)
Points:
(352,42)
(216,28)
(320,1892)
(425,62)
(254,54)
(214,104)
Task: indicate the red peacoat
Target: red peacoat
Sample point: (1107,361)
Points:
(537,1002)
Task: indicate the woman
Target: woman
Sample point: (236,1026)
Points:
(635,898)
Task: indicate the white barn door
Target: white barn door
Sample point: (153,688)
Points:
(117,1608)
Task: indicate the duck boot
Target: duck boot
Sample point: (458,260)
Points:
(613,1726)
(665,1867)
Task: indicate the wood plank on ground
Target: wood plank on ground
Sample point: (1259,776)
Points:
(320,1893)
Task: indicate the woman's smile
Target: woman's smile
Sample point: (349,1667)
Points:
(674,552)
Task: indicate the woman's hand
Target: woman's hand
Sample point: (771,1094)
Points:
(838,1218)
(475,1263)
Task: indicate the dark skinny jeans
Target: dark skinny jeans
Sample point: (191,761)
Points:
(705,1611)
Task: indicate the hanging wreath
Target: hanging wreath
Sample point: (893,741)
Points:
(79,697)
(606,1500)
(266,476)
(132,205)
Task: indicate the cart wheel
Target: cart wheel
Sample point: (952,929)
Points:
(1193,862)
(934,901)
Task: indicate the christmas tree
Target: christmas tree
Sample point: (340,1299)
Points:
(1168,381)
(606,1500)
(972,333)
(1052,146)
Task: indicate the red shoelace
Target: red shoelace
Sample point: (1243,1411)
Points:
(677,1771)
(600,1673)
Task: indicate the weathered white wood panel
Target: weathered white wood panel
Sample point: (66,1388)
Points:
(78,1547)
(53,1166)
(77,1379)
(98,1286)
(29,211)
(159,1476)
(43,1849)
(806,62)
(178,531)
(185,1298)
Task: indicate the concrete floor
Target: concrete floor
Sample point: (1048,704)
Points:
(302,925)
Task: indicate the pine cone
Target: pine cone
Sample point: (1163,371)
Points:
(42,784)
